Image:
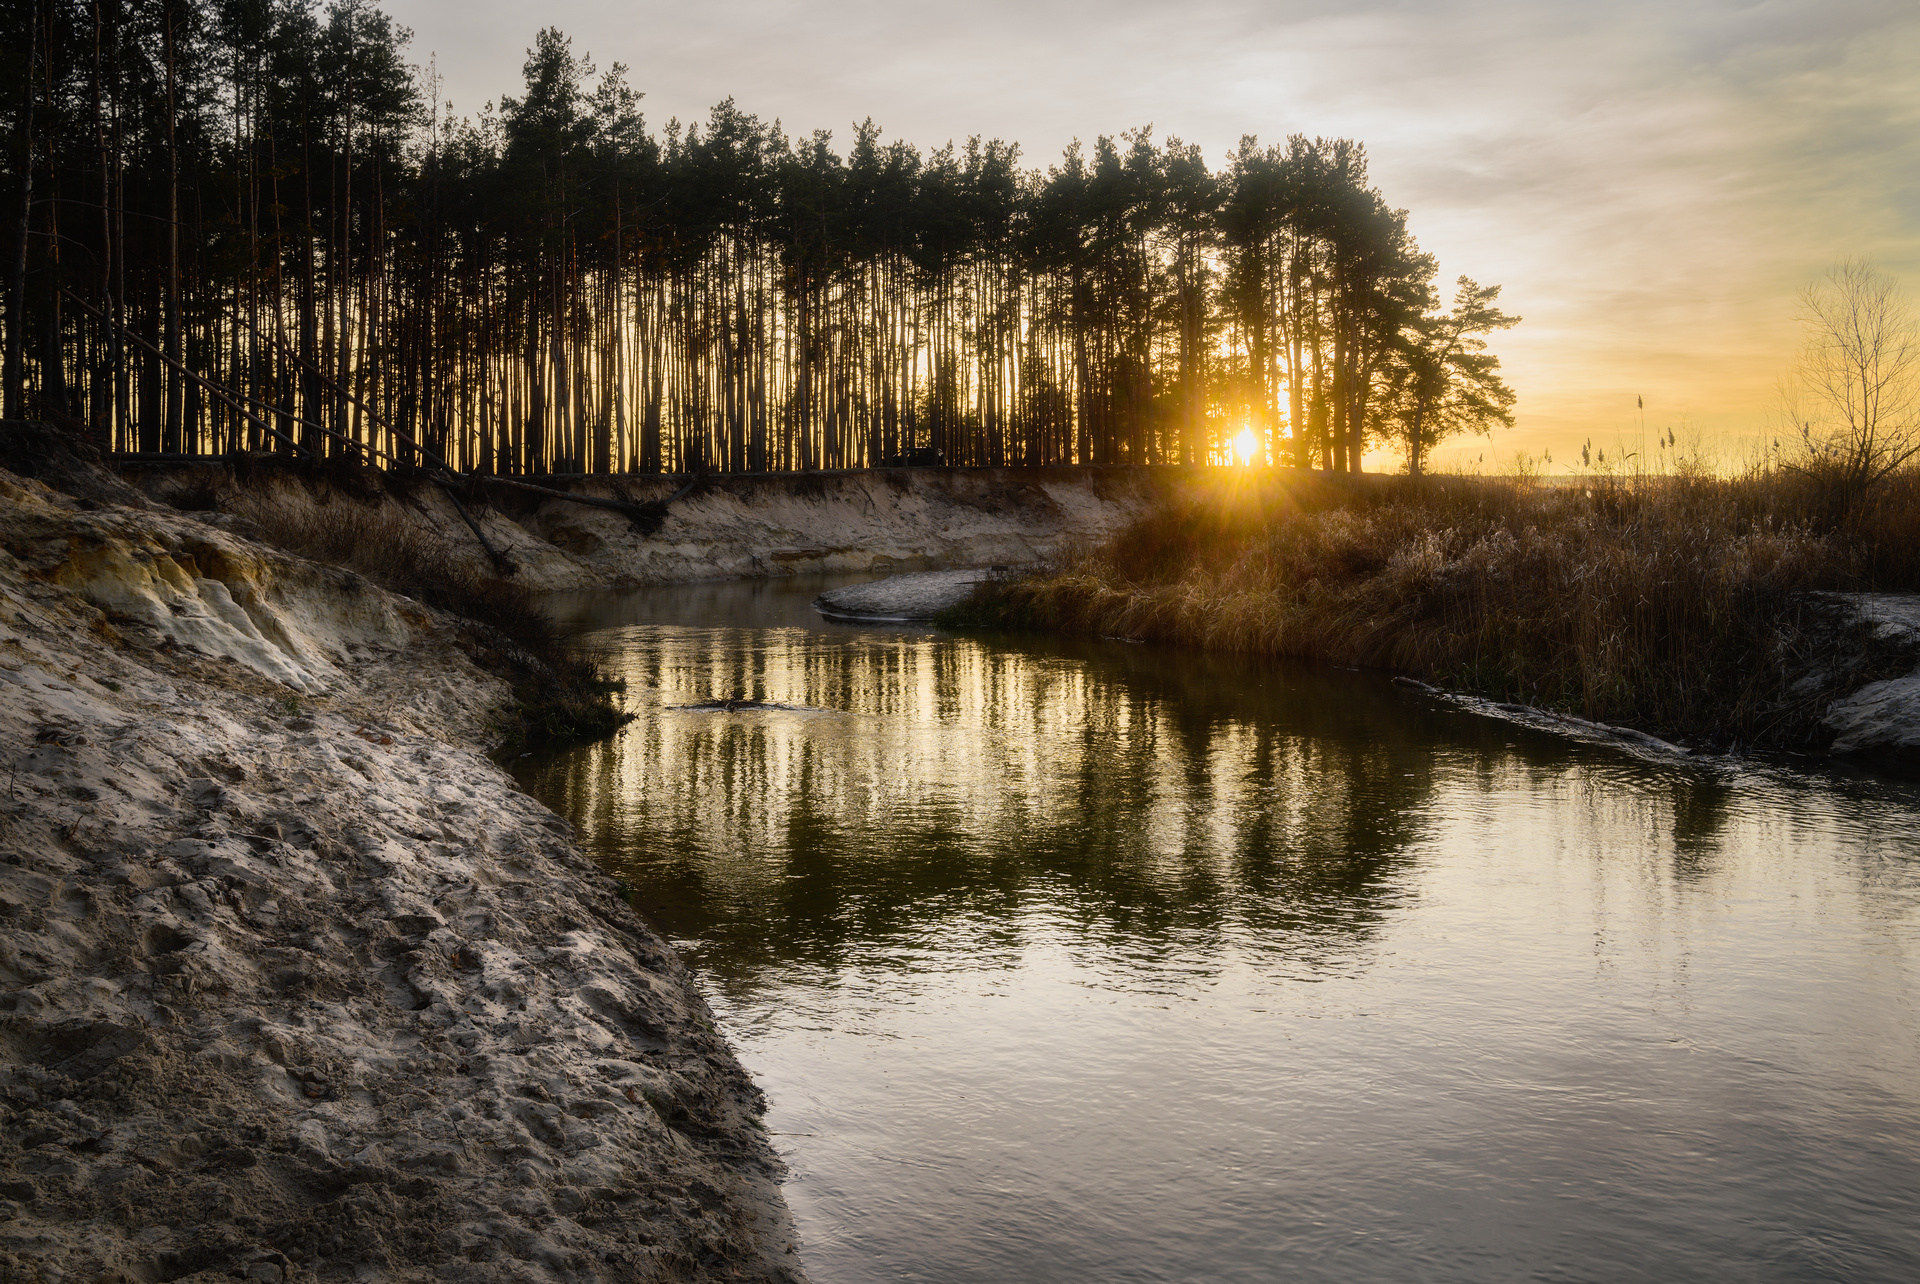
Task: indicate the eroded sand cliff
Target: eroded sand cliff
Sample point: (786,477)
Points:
(294,983)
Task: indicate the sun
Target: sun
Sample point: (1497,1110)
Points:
(1246,445)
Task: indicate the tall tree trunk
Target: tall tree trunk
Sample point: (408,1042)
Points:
(14,378)
(172,435)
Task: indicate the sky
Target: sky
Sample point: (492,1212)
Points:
(1652,184)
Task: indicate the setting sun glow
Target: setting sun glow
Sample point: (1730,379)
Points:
(1245,446)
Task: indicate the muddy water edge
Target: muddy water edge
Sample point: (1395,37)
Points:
(1064,961)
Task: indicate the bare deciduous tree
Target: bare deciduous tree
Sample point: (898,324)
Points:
(1861,374)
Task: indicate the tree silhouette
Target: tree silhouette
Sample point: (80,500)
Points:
(251,225)
(1861,371)
(1447,381)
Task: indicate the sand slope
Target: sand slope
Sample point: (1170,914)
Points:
(294,983)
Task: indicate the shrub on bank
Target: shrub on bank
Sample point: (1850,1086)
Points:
(1678,604)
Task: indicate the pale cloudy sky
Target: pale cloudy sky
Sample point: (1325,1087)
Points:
(1652,183)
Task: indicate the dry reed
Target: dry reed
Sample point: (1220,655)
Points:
(1677,604)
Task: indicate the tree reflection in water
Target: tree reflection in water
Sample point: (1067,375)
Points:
(1099,961)
(1155,799)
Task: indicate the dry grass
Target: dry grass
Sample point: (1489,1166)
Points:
(1674,604)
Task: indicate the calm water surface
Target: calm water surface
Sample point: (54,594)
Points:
(1107,963)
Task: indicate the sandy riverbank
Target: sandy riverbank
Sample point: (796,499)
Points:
(294,983)
(728,527)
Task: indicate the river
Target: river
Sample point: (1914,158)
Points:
(1067,961)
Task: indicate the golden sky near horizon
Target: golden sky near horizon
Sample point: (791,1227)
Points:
(1652,184)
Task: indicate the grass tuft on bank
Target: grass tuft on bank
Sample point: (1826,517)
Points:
(1675,604)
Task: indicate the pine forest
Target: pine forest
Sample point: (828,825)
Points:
(255,225)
